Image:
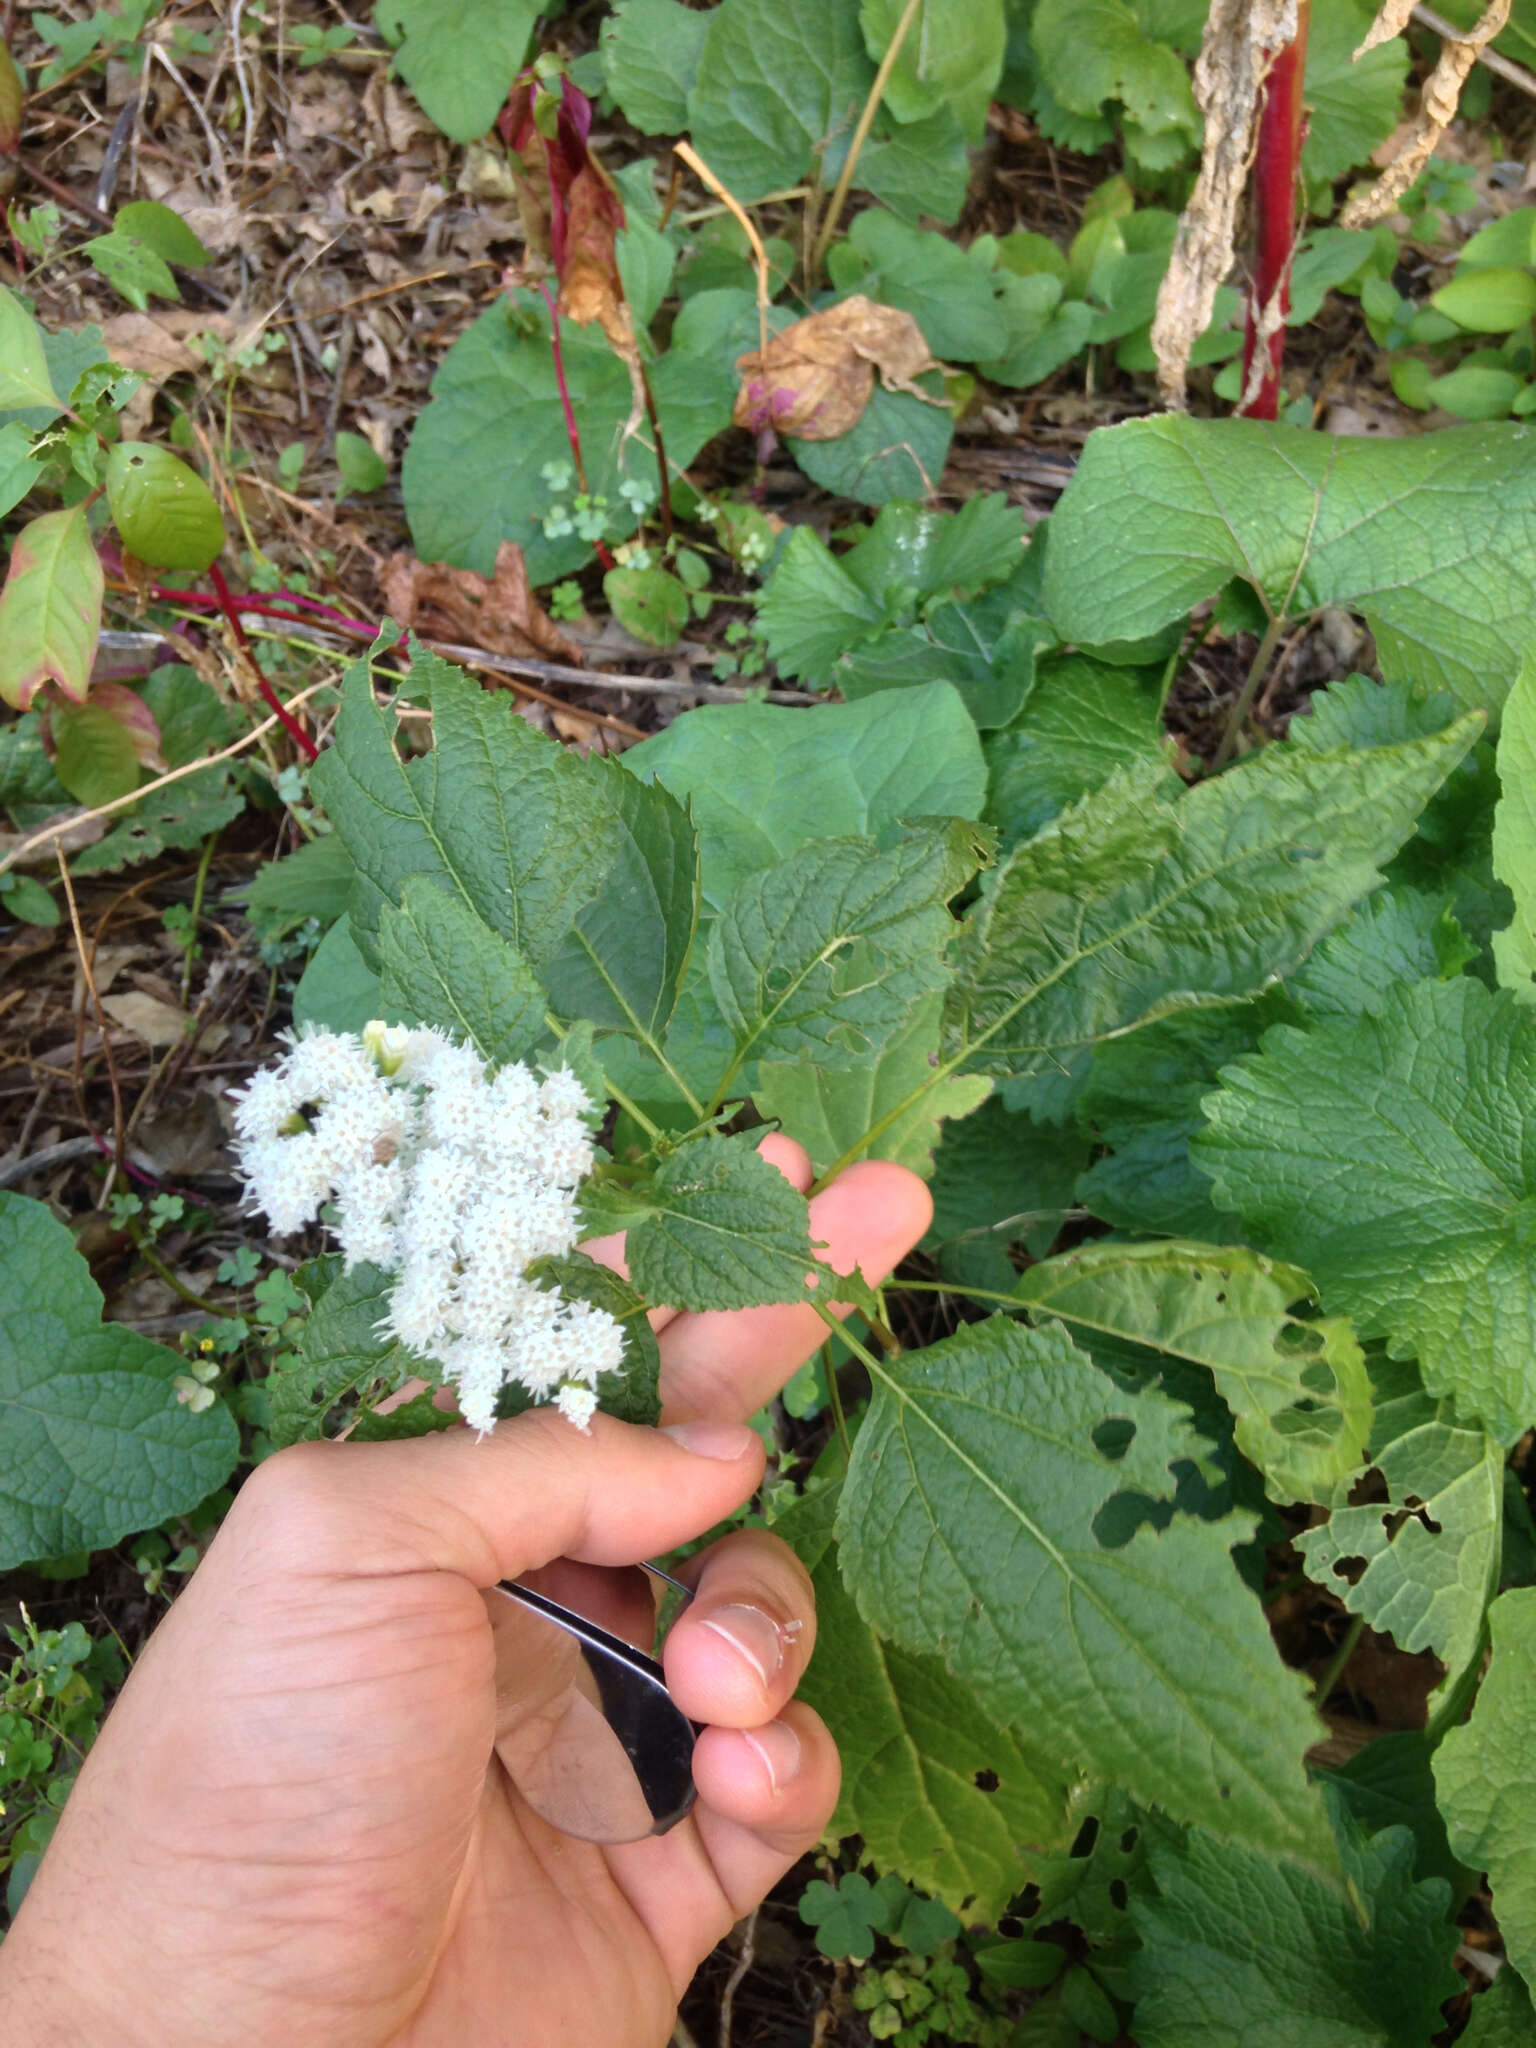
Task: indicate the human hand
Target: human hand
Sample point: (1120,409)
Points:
(294,1829)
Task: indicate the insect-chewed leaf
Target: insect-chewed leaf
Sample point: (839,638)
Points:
(969,1531)
(50,609)
(1298,1390)
(720,1228)
(1514,833)
(164,511)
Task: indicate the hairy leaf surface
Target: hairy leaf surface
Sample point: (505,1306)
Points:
(1082,720)
(93,1439)
(968,1532)
(444,966)
(719,1227)
(1431,538)
(1395,1158)
(1133,906)
(1514,834)
(1298,1391)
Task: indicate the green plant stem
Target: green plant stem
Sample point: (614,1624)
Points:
(157,1265)
(1341,1657)
(903,1286)
(199,886)
(856,146)
(1237,716)
(835,1395)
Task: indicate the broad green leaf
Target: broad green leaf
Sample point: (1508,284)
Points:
(919,169)
(496,814)
(1514,834)
(1502,2016)
(1082,720)
(1476,391)
(650,603)
(24,379)
(1389,1783)
(651,54)
(968,1530)
(442,965)
(761,779)
(1392,1157)
(1509,239)
(19,468)
(1429,538)
(986,648)
(459,57)
(918,1750)
(828,1110)
(1399,934)
(1298,1390)
(166,514)
(341,1356)
(1143,1097)
(25,897)
(821,957)
(471,474)
(1430,1550)
(1239,1951)
(162,229)
(338,990)
(1045,330)
(932,278)
(93,1439)
(1353,103)
(193,721)
(952,56)
(361,467)
(50,609)
(313,882)
(1091,52)
(1485,1773)
(95,759)
(131,267)
(719,1227)
(1488,301)
(1132,906)
(999,1179)
(623,961)
(777,81)
(898,449)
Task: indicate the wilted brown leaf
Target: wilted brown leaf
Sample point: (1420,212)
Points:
(814,380)
(1437,108)
(498,612)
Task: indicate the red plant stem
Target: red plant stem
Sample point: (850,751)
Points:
(599,547)
(273,607)
(1276,174)
(290,725)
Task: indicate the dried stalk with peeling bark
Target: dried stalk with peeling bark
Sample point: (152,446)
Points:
(1240,36)
(1442,93)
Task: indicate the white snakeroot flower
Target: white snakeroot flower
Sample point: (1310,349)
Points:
(452,1181)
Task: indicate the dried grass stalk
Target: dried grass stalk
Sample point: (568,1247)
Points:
(1442,92)
(1241,38)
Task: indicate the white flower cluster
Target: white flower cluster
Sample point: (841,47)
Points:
(453,1180)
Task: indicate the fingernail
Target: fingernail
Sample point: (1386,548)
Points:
(778,1748)
(727,1440)
(752,1634)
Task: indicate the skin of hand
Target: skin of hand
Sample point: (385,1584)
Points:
(294,1829)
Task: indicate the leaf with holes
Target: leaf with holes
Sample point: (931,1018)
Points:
(50,609)
(1514,834)
(969,1530)
(1298,1390)
(164,511)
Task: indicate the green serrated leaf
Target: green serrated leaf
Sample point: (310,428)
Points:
(651,52)
(162,229)
(338,990)
(822,959)
(1092,52)
(1429,538)
(442,965)
(24,378)
(166,514)
(968,1531)
(1238,1951)
(94,1441)
(1083,720)
(999,1179)
(50,609)
(1132,907)
(1353,103)
(1430,1551)
(1502,2016)
(1399,934)
(94,757)
(496,814)
(313,882)
(1298,1390)
(952,56)
(719,1227)
(1391,1157)
(459,57)
(341,1355)
(777,81)
(1484,1776)
(919,1751)
(1389,1783)
(1514,834)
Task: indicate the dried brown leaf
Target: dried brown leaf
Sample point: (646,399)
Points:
(497,612)
(814,380)
(1437,109)
(1392,20)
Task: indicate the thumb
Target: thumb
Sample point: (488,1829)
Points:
(490,1508)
